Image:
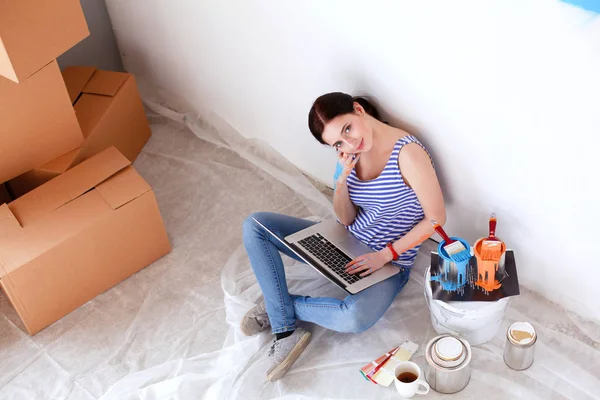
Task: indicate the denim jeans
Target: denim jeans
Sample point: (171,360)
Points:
(355,313)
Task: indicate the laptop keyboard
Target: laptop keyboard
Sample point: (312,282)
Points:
(323,250)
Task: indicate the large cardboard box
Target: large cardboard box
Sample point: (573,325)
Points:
(37,122)
(110,112)
(35,32)
(77,236)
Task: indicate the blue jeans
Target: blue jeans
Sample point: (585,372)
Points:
(355,313)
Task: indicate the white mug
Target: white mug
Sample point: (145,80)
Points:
(409,389)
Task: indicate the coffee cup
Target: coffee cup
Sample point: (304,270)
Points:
(408,379)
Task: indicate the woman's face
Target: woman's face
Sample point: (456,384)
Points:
(350,133)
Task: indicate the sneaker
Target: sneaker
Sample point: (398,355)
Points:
(256,320)
(285,351)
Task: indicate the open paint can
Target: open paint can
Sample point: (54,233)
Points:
(454,276)
(520,345)
(488,272)
(448,368)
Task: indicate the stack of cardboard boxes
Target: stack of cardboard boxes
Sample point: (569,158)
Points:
(75,216)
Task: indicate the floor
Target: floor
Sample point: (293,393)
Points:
(171,330)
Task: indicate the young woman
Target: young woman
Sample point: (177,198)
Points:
(386,194)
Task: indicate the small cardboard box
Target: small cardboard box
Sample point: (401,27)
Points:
(76,236)
(35,32)
(37,122)
(110,112)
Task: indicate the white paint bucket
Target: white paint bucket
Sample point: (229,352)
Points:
(476,321)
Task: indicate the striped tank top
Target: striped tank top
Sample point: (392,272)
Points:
(387,207)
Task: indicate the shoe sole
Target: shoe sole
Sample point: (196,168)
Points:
(285,365)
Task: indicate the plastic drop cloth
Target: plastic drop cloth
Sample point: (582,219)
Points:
(171,331)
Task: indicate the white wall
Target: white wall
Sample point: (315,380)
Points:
(506,94)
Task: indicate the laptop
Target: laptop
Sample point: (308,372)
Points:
(328,247)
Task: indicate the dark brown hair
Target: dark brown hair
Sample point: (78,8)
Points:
(330,105)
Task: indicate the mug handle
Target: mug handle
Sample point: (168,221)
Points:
(425,385)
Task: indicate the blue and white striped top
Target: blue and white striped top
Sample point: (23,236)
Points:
(387,207)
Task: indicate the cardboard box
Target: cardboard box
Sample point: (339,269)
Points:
(76,236)
(35,32)
(37,122)
(110,113)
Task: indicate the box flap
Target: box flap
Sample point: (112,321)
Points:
(62,163)
(90,109)
(68,186)
(6,67)
(8,226)
(8,222)
(75,79)
(106,83)
(123,187)
(19,245)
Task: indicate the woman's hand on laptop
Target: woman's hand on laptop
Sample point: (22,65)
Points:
(368,263)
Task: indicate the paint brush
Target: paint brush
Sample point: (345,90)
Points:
(454,248)
(491,247)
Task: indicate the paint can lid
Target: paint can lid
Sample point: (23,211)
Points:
(521,333)
(448,352)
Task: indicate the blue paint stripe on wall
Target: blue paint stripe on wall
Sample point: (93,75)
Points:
(590,5)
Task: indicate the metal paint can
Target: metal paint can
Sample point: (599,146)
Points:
(453,276)
(520,345)
(448,368)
